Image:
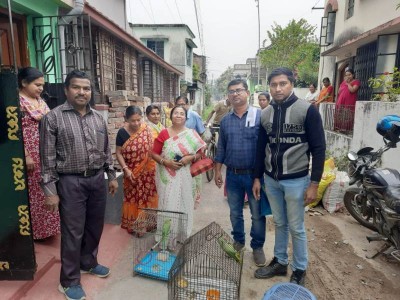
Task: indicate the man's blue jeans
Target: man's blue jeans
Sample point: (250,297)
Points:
(237,186)
(286,198)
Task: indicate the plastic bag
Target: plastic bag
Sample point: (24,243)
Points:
(327,177)
(333,196)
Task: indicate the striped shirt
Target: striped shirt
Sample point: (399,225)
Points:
(237,142)
(71,143)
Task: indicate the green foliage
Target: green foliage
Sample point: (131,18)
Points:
(221,83)
(307,59)
(206,112)
(386,86)
(207,94)
(295,47)
(339,156)
(196,72)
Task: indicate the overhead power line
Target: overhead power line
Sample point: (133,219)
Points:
(198,27)
(179,13)
(147,12)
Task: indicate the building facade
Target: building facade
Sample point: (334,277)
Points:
(172,42)
(59,36)
(361,35)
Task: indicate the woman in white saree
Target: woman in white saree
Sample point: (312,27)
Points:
(174,150)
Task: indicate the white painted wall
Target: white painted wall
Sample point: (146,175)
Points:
(367,116)
(114,10)
(368,14)
(301,92)
(174,45)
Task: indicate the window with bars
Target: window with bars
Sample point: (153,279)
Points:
(364,66)
(350,8)
(157,47)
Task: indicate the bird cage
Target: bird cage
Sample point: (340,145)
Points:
(157,238)
(207,267)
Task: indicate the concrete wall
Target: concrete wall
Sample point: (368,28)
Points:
(174,45)
(368,14)
(367,116)
(301,92)
(114,10)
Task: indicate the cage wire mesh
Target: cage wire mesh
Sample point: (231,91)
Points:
(157,238)
(288,291)
(207,267)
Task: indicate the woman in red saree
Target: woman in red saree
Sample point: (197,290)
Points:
(134,148)
(30,81)
(346,102)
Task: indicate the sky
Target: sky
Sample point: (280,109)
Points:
(229,28)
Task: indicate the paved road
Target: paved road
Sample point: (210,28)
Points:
(214,207)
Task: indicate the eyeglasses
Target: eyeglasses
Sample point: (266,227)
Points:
(237,91)
(281,84)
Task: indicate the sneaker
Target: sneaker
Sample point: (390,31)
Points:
(298,277)
(74,292)
(273,269)
(99,271)
(259,257)
(238,246)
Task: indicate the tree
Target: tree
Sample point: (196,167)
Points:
(196,72)
(295,47)
(221,83)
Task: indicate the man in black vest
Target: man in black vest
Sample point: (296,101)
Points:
(291,131)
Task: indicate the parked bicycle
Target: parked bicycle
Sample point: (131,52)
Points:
(211,150)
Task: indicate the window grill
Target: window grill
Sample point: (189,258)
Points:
(158,84)
(115,64)
(365,63)
(157,47)
(75,45)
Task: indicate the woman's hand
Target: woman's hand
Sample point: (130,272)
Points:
(187,159)
(30,164)
(173,164)
(128,174)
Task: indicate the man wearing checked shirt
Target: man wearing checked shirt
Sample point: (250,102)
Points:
(75,153)
(236,149)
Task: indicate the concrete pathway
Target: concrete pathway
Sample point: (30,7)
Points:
(116,252)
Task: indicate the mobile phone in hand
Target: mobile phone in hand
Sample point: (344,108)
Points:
(177,157)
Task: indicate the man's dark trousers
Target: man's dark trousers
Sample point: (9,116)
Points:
(82,209)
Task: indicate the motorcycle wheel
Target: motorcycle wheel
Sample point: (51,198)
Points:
(355,208)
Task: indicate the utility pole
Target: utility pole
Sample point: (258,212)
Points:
(259,42)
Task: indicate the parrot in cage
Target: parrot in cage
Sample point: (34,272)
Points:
(166,228)
(228,248)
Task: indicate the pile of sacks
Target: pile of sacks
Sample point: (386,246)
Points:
(332,187)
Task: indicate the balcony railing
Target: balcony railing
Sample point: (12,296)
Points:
(339,119)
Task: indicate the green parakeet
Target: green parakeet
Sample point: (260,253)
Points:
(228,248)
(166,228)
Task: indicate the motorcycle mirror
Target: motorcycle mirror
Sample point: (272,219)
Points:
(352,156)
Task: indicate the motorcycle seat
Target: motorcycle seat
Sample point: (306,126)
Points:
(392,197)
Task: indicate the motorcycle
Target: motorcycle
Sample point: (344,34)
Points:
(375,202)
